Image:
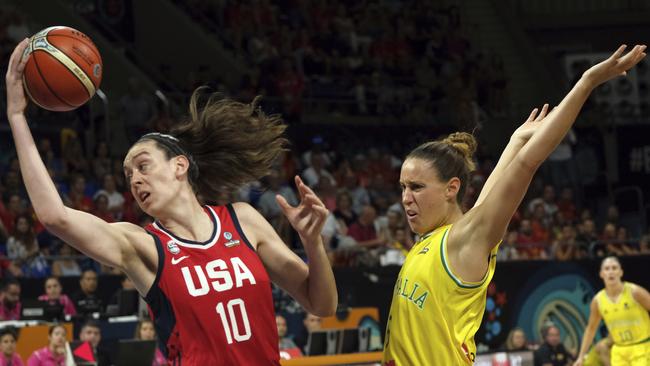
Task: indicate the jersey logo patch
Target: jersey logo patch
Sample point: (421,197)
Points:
(176,261)
(173,247)
(230,243)
(424,250)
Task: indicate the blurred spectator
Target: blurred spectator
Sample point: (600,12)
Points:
(50,159)
(359,194)
(102,161)
(564,246)
(76,197)
(269,207)
(560,167)
(552,351)
(146,331)
(317,171)
(55,352)
(567,205)
(54,294)
(72,153)
(86,300)
(66,266)
(508,248)
(363,230)
(115,199)
(311,323)
(100,208)
(285,341)
(8,338)
(516,341)
(8,268)
(91,332)
(10,306)
(14,206)
(127,289)
(530,245)
(22,243)
(343,211)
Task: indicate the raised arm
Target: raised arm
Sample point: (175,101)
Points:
(94,237)
(484,226)
(590,331)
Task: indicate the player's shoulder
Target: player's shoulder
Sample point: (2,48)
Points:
(245,212)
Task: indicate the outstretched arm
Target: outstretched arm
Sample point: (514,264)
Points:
(83,231)
(488,221)
(474,236)
(590,331)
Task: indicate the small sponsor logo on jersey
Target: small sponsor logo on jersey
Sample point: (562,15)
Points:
(176,261)
(173,247)
(230,243)
(424,250)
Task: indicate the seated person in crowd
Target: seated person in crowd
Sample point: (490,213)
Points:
(129,288)
(146,331)
(312,323)
(10,300)
(91,332)
(8,355)
(55,352)
(516,340)
(552,351)
(285,341)
(53,294)
(86,301)
(66,265)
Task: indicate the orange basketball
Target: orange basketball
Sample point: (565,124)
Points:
(64,68)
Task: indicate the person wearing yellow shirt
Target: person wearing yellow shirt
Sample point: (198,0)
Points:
(439,297)
(624,307)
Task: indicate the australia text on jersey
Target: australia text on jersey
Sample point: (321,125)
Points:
(410,292)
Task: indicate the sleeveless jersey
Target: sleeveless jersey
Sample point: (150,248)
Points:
(211,302)
(627,321)
(434,314)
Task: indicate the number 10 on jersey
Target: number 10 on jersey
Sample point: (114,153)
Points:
(229,320)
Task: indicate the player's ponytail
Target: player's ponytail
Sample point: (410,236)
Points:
(232,143)
(451,157)
(228,143)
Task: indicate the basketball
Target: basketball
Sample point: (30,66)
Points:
(64,69)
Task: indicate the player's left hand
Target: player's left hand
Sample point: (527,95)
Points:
(309,216)
(528,128)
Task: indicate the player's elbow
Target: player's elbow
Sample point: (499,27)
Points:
(54,221)
(325,308)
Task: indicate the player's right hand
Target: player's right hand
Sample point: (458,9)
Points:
(615,65)
(16,100)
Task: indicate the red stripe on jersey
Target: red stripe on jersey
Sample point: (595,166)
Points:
(212,301)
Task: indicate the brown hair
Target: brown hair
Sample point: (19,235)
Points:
(229,143)
(451,157)
(138,327)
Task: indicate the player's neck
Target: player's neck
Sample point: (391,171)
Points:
(614,289)
(188,221)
